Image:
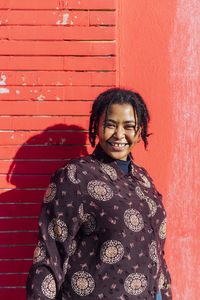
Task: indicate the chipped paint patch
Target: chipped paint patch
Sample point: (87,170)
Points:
(17,92)
(4,91)
(64,21)
(3,81)
(41,98)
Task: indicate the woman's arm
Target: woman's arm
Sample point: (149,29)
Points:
(59,223)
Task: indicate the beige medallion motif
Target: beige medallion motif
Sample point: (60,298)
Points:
(58,230)
(133,220)
(49,287)
(111,251)
(99,190)
(135,284)
(82,283)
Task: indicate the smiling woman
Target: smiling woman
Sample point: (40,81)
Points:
(103,225)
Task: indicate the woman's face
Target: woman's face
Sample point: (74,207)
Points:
(120,135)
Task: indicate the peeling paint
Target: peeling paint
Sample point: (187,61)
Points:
(59,83)
(4,91)
(57,98)
(3,81)
(17,92)
(71,22)
(12,137)
(6,21)
(62,140)
(64,21)
(41,98)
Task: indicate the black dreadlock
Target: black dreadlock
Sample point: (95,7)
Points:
(119,96)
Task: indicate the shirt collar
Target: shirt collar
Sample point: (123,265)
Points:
(103,157)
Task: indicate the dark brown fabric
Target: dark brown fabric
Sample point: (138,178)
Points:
(101,235)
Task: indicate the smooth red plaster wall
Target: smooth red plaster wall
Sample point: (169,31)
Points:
(159,50)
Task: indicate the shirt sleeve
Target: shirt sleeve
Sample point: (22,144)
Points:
(59,223)
(159,221)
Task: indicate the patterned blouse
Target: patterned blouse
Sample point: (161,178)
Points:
(101,235)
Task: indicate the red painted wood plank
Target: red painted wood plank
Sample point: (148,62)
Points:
(18,224)
(23,252)
(57,63)
(16,266)
(18,238)
(57,4)
(25,181)
(102,18)
(11,280)
(57,78)
(43,123)
(40,108)
(13,293)
(49,93)
(42,152)
(44,138)
(20,196)
(31,167)
(45,17)
(56,48)
(20,210)
(31,63)
(56,33)
(90,63)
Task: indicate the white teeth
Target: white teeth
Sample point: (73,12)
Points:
(118,145)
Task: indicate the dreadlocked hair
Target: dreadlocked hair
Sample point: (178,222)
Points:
(118,96)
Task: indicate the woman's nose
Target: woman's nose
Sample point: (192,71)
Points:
(119,132)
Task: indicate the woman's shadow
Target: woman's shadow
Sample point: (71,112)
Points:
(30,172)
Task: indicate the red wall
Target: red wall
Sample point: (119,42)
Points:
(55,58)
(159,56)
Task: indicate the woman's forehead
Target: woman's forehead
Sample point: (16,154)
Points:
(120,111)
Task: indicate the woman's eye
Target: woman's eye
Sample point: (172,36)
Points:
(110,125)
(131,127)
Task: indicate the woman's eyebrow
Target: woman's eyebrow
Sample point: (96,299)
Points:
(115,122)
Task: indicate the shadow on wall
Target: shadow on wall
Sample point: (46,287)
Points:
(30,172)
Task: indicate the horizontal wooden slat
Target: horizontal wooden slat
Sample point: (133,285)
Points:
(20,196)
(43,152)
(40,108)
(31,167)
(56,48)
(57,78)
(25,181)
(18,224)
(13,280)
(44,138)
(43,123)
(59,18)
(17,252)
(57,4)
(57,63)
(13,293)
(56,33)
(58,93)
(16,266)
(18,238)
(20,210)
